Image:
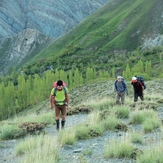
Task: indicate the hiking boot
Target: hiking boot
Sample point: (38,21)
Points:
(57,124)
(63,124)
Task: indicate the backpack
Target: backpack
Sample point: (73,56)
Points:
(55,84)
(55,90)
(141,80)
(55,87)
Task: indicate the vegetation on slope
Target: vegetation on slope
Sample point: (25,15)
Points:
(108,38)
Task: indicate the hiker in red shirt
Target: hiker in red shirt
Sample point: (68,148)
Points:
(138,89)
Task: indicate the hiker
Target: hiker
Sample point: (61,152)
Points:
(120,87)
(59,96)
(138,89)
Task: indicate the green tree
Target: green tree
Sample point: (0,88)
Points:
(3,102)
(56,75)
(90,74)
(76,77)
(70,79)
(127,74)
(148,68)
(63,76)
(113,72)
(106,74)
(101,74)
(81,79)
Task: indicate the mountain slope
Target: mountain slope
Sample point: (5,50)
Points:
(21,48)
(121,25)
(52,18)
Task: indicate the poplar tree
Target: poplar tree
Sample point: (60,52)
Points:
(81,79)
(48,81)
(20,91)
(148,68)
(113,72)
(127,74)
(36,87)
(63,76)
(106,75)
(100,74)
(140,66)
(70,79)
(89,74)
(3,101)
(76,77)
(10,95)
(56,75)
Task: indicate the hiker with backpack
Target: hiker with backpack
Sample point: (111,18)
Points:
(120,87)
(138,87)
(59,96)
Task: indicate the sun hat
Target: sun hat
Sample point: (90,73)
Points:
(134,79)
(119,77)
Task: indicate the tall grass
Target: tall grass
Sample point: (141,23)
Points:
(151,155)
(121,111)
(139,116)
(33,117)
(38,149)
(67,136)
(100,104)
(7,131)
(136,137)
(118,149)
(150,124)
(110,123)
(92,127)
(82,132)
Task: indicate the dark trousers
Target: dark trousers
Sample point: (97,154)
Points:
(136,95)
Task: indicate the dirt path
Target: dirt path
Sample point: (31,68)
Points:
(95,146)
(7,153)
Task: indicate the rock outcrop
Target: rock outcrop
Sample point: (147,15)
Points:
(50,17)
(27,25)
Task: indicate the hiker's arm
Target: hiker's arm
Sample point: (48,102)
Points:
(142,88)
(50,99)
(115,88)
(67,100)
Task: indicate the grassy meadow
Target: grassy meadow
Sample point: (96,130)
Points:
(104,116)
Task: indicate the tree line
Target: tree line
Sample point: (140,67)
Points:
(18,92)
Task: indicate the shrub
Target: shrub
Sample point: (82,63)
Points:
(82,132)
(67,136)
(39,149)
(118,149)
(136,138)
(151,155)
(150,124)
(140,116)
(110,123)
(8,131)
(121,111)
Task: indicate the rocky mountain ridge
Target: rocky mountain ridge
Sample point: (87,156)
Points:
(29,25)
(52,18)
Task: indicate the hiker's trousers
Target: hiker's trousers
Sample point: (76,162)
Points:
(60,109)
(120,96)
(136,95)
